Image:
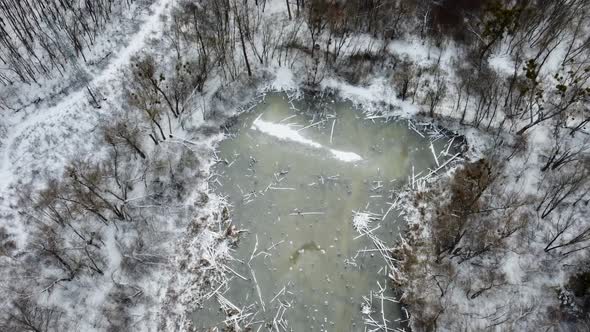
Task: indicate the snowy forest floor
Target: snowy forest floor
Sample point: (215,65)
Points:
(170,248)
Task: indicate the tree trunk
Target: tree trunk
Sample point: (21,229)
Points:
(243,44)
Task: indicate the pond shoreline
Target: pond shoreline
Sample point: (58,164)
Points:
(232,121)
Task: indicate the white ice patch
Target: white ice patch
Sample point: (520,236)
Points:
(345,156)
(286,133)
(283,132)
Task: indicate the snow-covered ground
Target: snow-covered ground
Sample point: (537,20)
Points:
(517,284)
(40,140)
(27,130)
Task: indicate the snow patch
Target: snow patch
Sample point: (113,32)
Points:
(372,97)
(502,63)
(416,50)
(346,156)
(284,80)
(512,269)
(286,133)
(283,132)
(422,53)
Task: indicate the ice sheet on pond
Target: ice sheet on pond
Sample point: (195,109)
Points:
(296,179)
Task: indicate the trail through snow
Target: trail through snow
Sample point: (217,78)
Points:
(20,127)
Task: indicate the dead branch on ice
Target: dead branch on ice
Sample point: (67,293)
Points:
(367,310)
(391,207)
(254,275)
(449,146)
(282,291)
(312,125)
(361,220)
(413,177)
(434,154)
(278,320)
(257,287)
(255,248)
(281,188)
(367,232)
(426,177)
(305,213)
(413,127)
(332,131)
(236,317)
(360,223)
(382,291)
(287,118)
(274,245)
(226,305)
(236,273)
(216,290)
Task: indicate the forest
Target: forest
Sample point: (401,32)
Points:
(112,112)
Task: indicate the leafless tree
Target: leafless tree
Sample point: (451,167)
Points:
(569,234)
(40,37)
(25,315)
(124,133)
(571,91)
(435,89)
(404,74)
(564,151)
(566,186)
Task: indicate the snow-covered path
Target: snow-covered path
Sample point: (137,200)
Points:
(19,130)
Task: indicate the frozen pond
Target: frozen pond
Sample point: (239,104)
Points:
(295,176)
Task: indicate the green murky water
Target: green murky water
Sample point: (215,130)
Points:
(294,177)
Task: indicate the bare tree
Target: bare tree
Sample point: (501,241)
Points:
(404,74)
(435,90)
(25,315)
(238,17)
(568,185)
(569,234)
(564,151)
(122,133)
(316,22)
(570,92)
(41,37)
